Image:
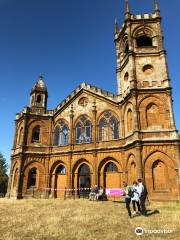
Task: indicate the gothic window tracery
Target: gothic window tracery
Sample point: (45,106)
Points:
(83,130)
(61,134)
(108,127)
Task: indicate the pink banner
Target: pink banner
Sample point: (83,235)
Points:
(114,192)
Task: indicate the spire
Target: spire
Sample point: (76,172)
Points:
(127,12)
(116,27)
(126,6)
(156,7)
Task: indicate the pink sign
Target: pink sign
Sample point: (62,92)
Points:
(114,192)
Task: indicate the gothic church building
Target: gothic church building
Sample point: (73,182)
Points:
(96,137)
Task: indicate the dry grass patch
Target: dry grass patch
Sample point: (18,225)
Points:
(81,219)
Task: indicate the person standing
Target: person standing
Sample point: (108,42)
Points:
(135,198)
(127,196)
(142,196)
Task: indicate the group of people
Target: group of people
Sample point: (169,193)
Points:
(97,194)
(137,193)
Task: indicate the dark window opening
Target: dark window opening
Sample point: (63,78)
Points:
(61,170)
(111,167)
(56,136)
(32,178)
(36,134)
(39,99)
(144,41)
(127,48)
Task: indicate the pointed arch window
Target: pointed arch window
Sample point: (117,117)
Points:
(83,130)
(65,135)
(61,134)
(108,127)
(39,98)
(61,170)
(103,130)
(114,129)
(152,115)
(111,167)
(20,137)
(56,136)
(36,134)
(129,120)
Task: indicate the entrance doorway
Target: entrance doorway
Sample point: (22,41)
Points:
(84,176)
(84,180)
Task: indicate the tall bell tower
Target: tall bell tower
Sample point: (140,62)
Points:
(38,97)
(141,57)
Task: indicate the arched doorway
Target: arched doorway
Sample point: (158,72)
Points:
(32,178)
(84,176)
(60,181)
(111,176)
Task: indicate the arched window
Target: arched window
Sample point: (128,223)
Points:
(84,170)
(20,137)
(108,127)
(152,115)
(114,131)
(15,178)
(56,136)
(32,178)
(64,135)
(159,173)
(126,76)
(110,167)
(103,130)
(127,48)
(61,134)
(83,130)
(61,170)
(32,100)
(36,134)
(39,99)
(129,121)
(144,41)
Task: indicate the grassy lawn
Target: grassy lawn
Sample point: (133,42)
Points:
(82,219)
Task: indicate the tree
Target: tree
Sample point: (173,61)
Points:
(3,175)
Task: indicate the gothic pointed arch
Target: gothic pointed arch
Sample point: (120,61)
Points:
(83,130)
(110,173)
(153,114)
(33,177)
(61,133)
(82,171)
(108,126)
(160,173)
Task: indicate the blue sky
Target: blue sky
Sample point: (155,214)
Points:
(70,41)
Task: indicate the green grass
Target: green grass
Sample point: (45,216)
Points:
(82,219)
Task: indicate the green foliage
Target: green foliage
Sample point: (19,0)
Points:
(3,174)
